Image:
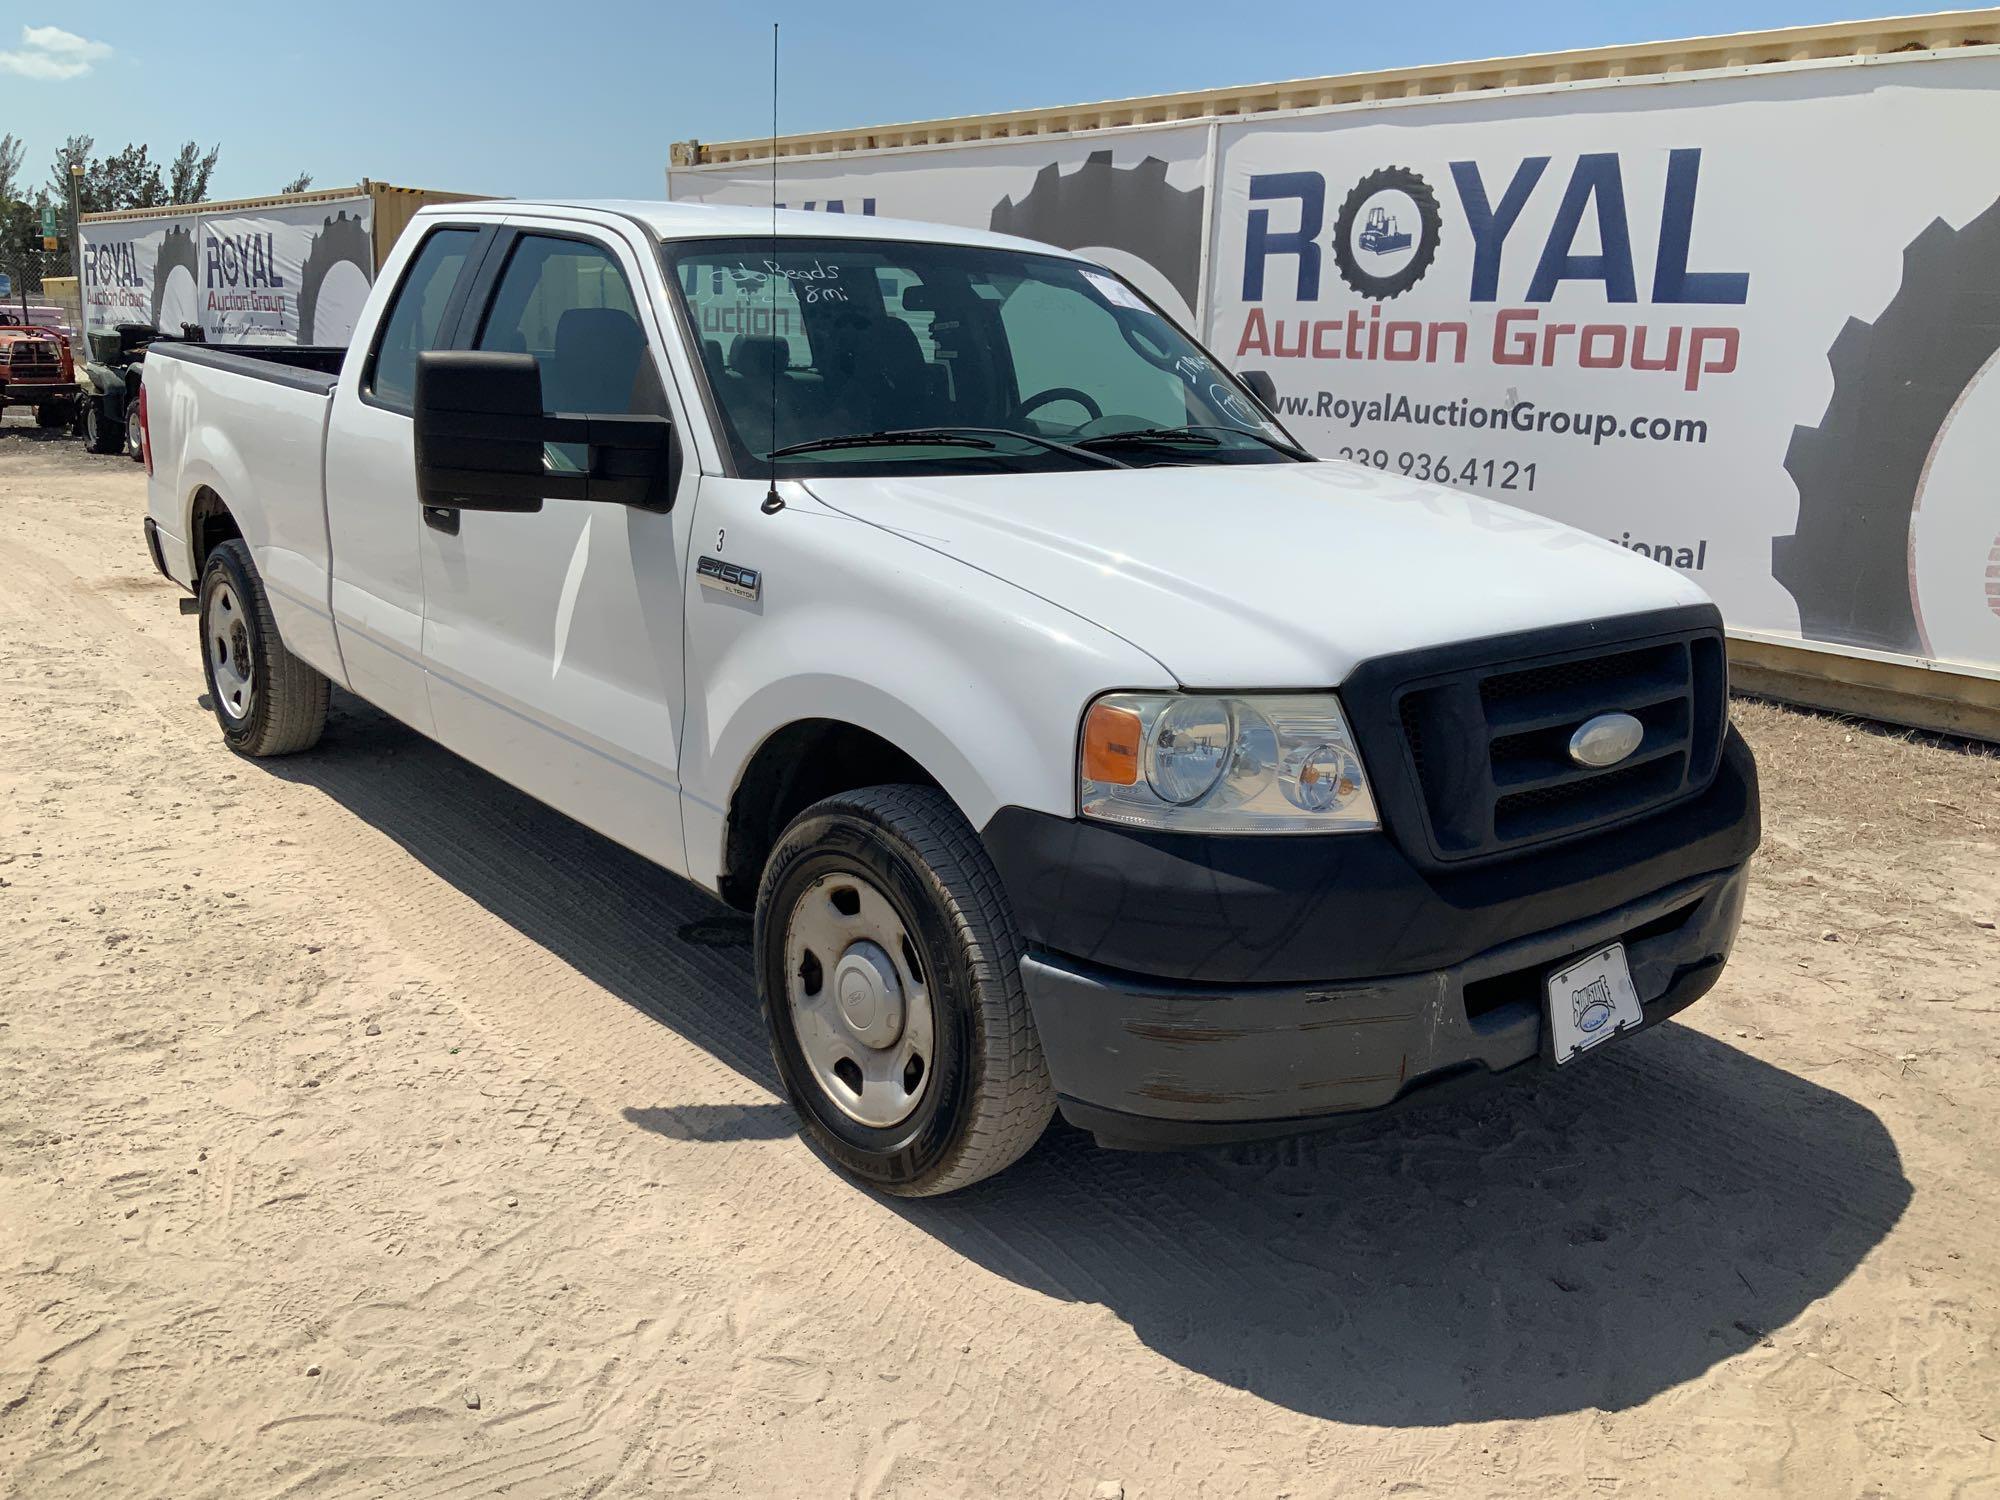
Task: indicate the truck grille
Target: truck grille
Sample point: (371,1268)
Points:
(35,362)
(1489,742)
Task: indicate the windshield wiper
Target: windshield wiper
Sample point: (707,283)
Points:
(910,437)
(1195,436)
(942,437)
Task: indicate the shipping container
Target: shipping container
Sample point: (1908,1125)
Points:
(289,269)
(1733,302)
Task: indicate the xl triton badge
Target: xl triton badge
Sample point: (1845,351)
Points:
(1605,740)
(728,578)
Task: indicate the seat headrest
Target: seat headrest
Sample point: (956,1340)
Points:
(603,332)
(759,355)
(595,361)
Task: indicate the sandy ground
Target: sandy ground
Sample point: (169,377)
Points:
(366,1129)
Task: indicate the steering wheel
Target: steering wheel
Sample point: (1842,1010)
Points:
(1056,393)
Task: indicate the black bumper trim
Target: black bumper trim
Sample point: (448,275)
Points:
(154,550)
(1149,1063)
(1315,910)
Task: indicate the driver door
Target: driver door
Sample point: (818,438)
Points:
(552,638)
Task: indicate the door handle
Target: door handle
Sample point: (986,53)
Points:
(442,518)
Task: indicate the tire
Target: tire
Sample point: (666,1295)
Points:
(983,1095)
(100,433)
(267,701)
(52,414)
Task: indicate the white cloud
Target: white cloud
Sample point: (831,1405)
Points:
(52,53)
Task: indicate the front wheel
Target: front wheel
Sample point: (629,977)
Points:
(267,700)
(889,970)
(52,414)
(100,433)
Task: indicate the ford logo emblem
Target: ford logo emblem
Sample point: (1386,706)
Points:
(1605,740)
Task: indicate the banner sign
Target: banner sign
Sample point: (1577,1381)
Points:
(1747,324)
(1131,202)
(1671,315)
(287,274)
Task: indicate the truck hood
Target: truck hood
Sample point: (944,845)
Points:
(1281,575)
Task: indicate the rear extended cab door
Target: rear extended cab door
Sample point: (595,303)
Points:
(372,514)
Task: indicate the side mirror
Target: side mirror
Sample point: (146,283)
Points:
(480,431)
(1263,387)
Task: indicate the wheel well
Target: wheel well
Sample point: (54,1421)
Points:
(209,525)
(791,770)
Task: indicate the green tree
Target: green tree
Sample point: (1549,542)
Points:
(20,217)
(73,152)
(128,179)
(187,179)
(11,152)
(298,184)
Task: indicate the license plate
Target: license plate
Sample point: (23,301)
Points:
(1591,1001)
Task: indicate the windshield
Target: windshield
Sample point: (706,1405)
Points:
(844,356)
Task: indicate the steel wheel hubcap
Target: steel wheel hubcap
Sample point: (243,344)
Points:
(229,652)
(860,1004)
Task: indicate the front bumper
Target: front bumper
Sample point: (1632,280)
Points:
(1145,1063)
(1193,990)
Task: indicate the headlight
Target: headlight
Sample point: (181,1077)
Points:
(1198,763)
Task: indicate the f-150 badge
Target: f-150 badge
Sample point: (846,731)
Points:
(728,578)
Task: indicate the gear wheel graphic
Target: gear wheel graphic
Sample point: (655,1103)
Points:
(177,252)
(1430,230)
(1124,208)
(1895,381)
(342,240)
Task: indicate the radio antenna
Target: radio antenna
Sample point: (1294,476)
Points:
(773,501)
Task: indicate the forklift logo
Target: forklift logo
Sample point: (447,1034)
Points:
(1387,233)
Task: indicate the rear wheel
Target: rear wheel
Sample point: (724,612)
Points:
(889,970)
(267,700)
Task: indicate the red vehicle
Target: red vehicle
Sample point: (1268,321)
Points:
(36,369)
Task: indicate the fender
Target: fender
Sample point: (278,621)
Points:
(986,696)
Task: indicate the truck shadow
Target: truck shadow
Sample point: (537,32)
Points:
(1591,1239)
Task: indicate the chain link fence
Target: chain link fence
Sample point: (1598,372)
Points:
(42,278)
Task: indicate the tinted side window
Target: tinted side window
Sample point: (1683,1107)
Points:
(412,325)
(567,303)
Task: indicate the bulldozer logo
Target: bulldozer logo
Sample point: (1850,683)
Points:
(1386,234)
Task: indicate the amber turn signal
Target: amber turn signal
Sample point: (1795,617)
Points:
(1111,745)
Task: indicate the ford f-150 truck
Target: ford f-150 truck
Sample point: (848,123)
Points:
(1078,741)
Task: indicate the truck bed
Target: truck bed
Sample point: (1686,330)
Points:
(245,425)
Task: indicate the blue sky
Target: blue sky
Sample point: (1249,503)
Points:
(584,99)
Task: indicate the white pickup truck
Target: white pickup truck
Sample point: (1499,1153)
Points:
(1078,740)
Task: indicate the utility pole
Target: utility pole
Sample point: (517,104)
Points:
(76,249)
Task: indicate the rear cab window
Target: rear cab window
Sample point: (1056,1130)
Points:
(416,318)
